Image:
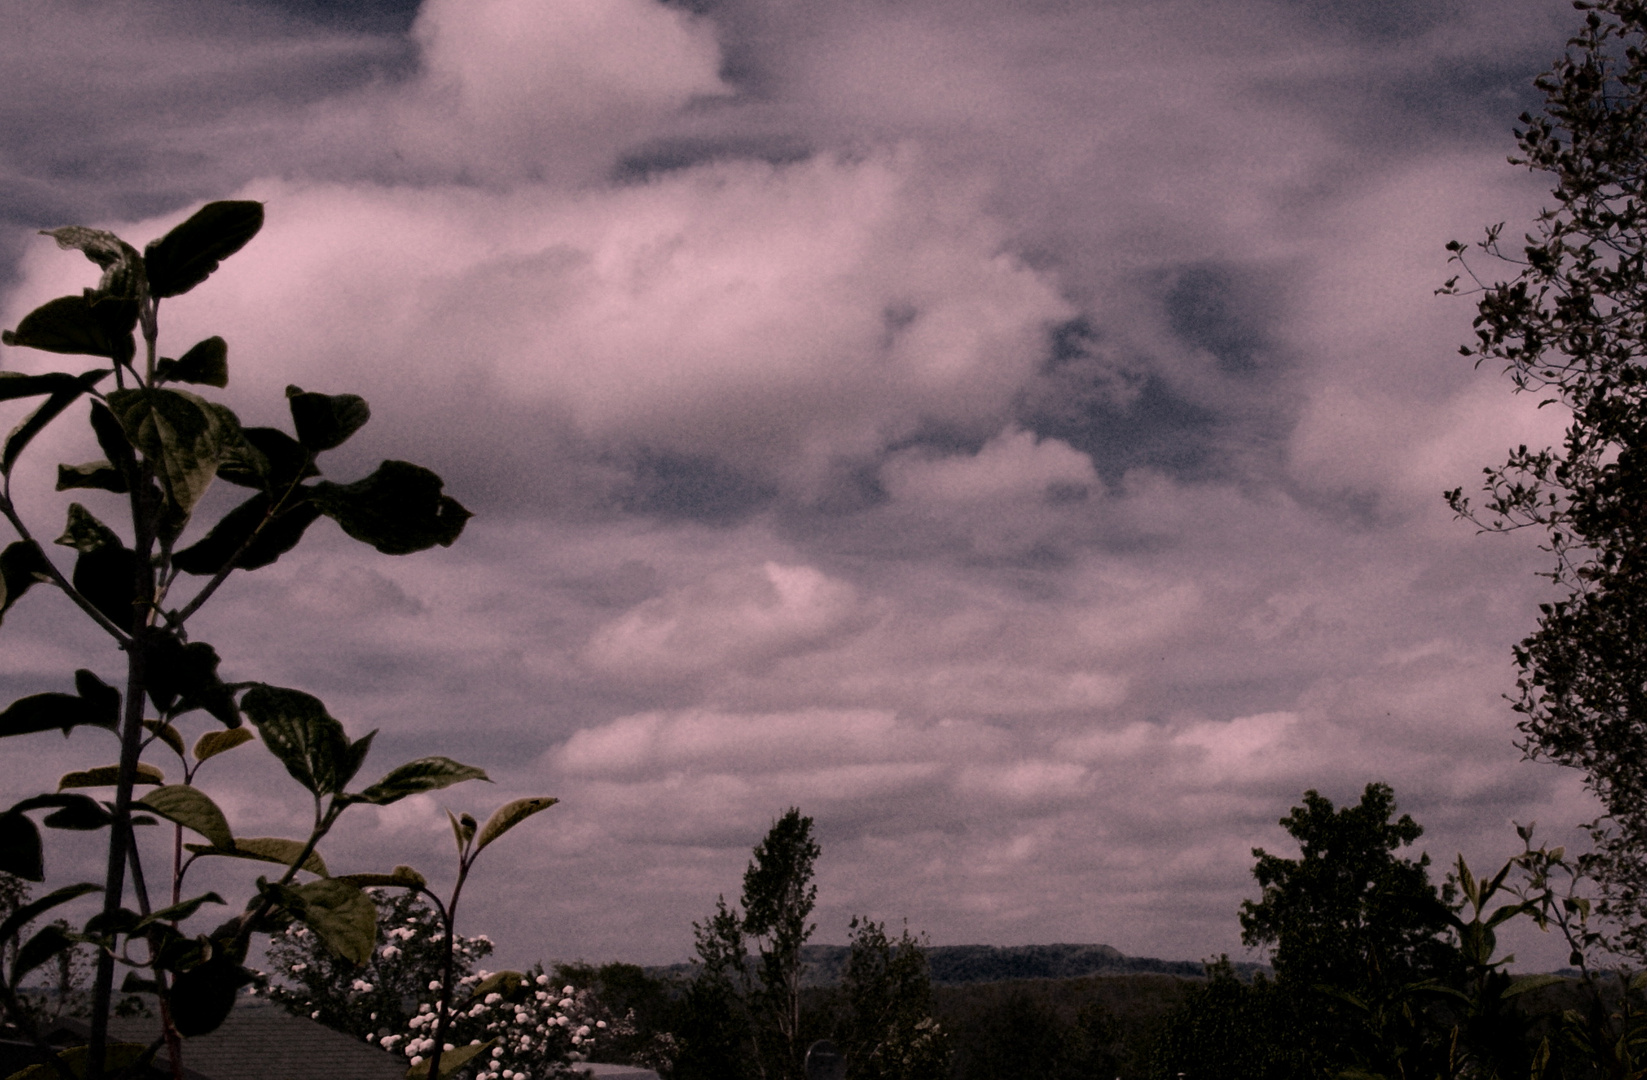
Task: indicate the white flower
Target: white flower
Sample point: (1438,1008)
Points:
(568,991)
(543,980)
(598,1023)
(493,999)
(416,1061)
(566,1003)
(434,984)
(389,952)
(583,1032)
(315,1015)
(497,1051)
(371,1038)
(362,985)
(448,1048)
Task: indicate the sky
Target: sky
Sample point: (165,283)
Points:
(1011,431)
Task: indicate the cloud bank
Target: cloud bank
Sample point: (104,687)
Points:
(1013,433)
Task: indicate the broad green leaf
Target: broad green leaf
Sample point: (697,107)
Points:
(450,1061)
(112,438)
(187,255)
(20,849)
(100,475)
(325,421)
(84,533)
(27,913)
(508,816)
(184,435)
(107,577)
(122,265)
(214,743)
(96,704)
(78,812)
(205,364)
(178,912)
(271,461)
(15,384)
(100,694)
(22,566)
(270,849)
(36,422)
(109,775)
(47,943)
(309,742)
(212,552)
(111,923)
(203,996)
(343,917)
(116,1057)
(167,734)
(424,774)
(1528,983)
(398,509)
(297,729)
(183,677)
(499,982)
(400,877)
(191,808)
(79,326)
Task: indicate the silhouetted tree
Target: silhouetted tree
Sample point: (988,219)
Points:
(1569,326)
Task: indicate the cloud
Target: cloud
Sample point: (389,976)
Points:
(734,620)
(1012,432)
(511,89)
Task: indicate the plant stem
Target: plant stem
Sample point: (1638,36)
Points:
(449,913)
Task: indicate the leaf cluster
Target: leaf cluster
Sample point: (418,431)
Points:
(163,447)
(1570,325)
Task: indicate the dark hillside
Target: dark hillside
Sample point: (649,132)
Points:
(958,964)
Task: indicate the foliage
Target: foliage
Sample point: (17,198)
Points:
(650,1008)
(778,897)
(1348,912)
(890,1033)
(1568,326)
(163,448)
(519,1024)
(717,1029)
(734,1003)
(1235,1030)
(374,999)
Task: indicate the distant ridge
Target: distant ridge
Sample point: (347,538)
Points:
(956,964)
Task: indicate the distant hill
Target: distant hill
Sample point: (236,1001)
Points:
(959,964)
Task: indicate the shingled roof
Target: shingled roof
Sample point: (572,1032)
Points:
(262,1041)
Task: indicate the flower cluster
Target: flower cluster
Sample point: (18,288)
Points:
(538,1028)
(373,1000)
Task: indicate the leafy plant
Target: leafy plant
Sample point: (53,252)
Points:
(1567,326)
(735,1001)
(163,448)
(377,998)
(890,1031)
